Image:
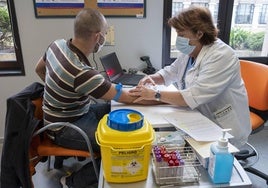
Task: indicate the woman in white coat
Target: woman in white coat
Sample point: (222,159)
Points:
(207,73)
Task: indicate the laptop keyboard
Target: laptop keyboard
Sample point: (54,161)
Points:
(128,79)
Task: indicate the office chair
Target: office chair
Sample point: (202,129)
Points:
(255,76)
(44,146)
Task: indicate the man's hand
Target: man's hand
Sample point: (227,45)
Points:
(143,93)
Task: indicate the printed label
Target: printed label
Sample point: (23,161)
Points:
(127,163)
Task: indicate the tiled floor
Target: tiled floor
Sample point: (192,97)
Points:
(50,179)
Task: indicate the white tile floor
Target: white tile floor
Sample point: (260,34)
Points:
(50,179)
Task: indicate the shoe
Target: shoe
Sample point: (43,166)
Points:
(58,163)
(81,158)
(63,182)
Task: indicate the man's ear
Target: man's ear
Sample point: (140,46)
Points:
(199,34)
(97,36)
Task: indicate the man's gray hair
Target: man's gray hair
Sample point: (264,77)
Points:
(88,21)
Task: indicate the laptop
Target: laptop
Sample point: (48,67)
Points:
(115,72)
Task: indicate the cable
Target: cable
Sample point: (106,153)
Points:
(96,65)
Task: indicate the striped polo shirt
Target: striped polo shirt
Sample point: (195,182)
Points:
(70,81)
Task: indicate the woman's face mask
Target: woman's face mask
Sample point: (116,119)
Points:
(99,44)
(182,44)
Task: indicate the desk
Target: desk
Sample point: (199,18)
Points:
(239,179)
(154,114)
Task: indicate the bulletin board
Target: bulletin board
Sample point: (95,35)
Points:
(69,8)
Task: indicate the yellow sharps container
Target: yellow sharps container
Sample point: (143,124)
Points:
(125,140)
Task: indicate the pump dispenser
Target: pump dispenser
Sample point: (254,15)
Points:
(223,142)
(220,160)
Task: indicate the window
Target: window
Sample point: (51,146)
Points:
(248,40)
(244,13)
(200,4)
(176,7)
(247,35)
(263,18)
(11,61)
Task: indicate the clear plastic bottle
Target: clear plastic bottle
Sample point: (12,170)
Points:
(220,160)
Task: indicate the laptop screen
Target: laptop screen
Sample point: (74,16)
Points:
(111,65)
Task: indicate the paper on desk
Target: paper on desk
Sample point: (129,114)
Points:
(154,114)
(195,125)
(203,148)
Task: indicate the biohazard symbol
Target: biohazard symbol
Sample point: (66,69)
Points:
(133,167)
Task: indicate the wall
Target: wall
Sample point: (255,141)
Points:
(133,38)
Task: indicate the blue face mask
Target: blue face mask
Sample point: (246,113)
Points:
(182,44)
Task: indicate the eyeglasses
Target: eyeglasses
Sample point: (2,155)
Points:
(102,39)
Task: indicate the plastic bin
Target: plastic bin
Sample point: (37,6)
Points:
(125,154)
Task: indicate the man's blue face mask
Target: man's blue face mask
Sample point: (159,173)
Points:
(182,44)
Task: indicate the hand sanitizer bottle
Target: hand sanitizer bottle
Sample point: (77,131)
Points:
(220,160)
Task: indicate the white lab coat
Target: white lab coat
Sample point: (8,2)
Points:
(215,88)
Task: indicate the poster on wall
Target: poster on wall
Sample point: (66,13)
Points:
(109,8)
(120,3)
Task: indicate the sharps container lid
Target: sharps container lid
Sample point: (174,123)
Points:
(125,120)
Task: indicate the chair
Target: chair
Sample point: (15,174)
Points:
(255,76)
(44,146)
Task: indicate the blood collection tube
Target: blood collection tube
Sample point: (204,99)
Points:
(170,172)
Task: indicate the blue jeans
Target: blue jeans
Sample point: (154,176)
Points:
(70,138)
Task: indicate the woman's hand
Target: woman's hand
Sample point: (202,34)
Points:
(147,80)
(143,93)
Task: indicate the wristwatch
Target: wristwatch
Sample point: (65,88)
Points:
(157,95)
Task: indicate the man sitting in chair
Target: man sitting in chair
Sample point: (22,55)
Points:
(70,81)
